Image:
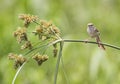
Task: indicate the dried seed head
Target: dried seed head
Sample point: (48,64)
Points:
(41,32)
(44,58)
(37,56)
(40,58)
(27,45)
(27,19)
(56,30)
(45,24)
(19,61)
(21,34)
(12,56)
(55,51)
(46,31)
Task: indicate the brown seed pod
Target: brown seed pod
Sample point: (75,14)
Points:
(27,45)
(21,34)
(40,58)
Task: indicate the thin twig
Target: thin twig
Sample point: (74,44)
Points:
(13,81)
(58,62)
(83,41)
(36,23)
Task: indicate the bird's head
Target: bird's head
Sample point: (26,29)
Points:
(90,24)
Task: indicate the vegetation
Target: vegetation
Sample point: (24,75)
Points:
(81,63)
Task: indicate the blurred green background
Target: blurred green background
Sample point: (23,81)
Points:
(83,63)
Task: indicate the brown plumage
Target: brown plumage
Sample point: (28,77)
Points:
(94,33)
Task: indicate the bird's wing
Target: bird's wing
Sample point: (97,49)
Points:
(96,30)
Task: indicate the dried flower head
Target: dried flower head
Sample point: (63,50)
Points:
(12,56)
(55,51)
(21,34)
(45,24)
(27,45)
(46,30)
(19,59)
(38,30)
(56,30)
(40,58)
(41,32)
(27,19)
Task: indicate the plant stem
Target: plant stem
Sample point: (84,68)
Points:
(58,62)
(83,41)
(13,81)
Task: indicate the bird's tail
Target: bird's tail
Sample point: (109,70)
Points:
(99,43)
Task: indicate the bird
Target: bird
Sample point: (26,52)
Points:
(94,33)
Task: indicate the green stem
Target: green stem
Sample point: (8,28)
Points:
(83,41)
(58,62)
(13,81)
